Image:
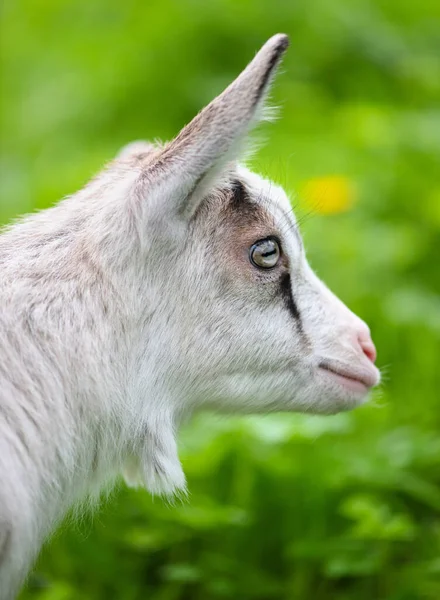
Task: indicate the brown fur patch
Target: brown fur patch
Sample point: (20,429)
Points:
(247,216)
(235,222)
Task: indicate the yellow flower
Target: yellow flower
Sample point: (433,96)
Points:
(329,195)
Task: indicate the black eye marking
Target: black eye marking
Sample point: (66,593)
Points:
(286,293)
(239,193)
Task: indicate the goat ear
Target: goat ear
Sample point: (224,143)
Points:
(136,149)
(187,166)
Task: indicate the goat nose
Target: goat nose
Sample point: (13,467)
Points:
(368,347)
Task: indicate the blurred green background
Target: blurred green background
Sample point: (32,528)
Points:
(286,506)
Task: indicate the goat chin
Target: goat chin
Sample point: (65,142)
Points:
(175,279)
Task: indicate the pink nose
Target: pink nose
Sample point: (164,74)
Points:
(367,345)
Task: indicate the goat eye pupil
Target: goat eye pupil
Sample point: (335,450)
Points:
(265,254)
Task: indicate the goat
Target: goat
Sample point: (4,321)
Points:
(174,280)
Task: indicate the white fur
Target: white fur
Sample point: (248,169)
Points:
(131,304)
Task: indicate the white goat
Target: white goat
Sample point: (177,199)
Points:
(174,280)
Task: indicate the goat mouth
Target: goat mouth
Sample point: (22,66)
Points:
(356,380)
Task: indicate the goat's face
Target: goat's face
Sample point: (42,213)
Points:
(255,329)
(245,323)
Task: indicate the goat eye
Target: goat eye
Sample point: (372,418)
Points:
(265,254)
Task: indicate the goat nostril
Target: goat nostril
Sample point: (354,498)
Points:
(368,348)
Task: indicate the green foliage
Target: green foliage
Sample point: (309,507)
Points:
(286,506)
